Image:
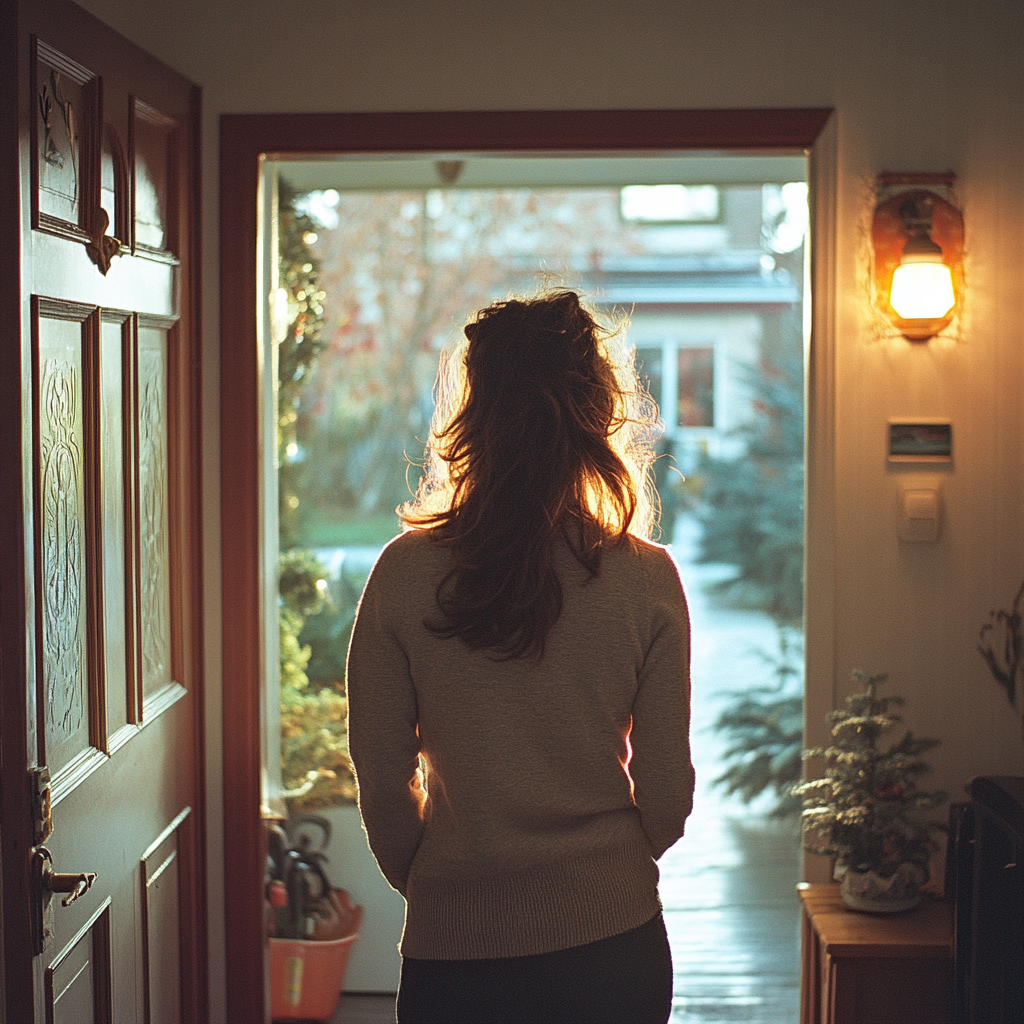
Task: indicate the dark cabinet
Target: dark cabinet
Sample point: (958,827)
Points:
(988,880)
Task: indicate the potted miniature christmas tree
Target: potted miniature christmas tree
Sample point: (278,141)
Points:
(862,812)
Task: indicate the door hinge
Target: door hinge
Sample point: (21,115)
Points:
(42,813)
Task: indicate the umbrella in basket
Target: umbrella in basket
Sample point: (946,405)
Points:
(312,925)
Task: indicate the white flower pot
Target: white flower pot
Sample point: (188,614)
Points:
(864,890)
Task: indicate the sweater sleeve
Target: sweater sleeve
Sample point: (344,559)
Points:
(383,738)
(661,769)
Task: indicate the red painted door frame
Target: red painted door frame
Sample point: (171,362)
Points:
(244,139)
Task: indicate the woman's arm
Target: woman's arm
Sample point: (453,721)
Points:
(382,734)
(660,766)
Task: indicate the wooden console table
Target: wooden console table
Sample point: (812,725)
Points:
(862,968)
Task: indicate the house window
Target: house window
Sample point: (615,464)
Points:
(648,362)
(686,397)
(696,397)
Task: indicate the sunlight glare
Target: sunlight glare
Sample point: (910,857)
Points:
(670,202)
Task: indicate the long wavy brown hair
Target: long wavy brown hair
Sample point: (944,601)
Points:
(542,433)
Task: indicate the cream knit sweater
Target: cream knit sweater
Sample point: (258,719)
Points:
(523,833)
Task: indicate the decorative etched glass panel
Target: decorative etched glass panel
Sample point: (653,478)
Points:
(113,183)
(153,144)
(112,444)
(60,147)
(63,121)
(62,536)
(154,542)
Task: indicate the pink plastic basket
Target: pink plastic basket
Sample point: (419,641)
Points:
(306,976)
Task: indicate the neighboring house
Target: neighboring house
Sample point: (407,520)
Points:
(704,296)
(692,266)
(698,324)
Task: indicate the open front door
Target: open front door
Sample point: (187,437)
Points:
(100,632)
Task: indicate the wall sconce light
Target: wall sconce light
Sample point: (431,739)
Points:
(918,242)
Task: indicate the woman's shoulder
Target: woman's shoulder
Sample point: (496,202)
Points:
(411,552)
(406,542)
(652,562)
(649,554)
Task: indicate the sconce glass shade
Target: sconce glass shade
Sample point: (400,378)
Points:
(918,259)
(922,291)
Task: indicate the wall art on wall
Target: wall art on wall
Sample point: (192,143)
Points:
(920,441)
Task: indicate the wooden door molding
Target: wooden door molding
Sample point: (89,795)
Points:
(35,35)
(245,139)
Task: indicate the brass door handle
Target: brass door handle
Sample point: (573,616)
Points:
(75,885)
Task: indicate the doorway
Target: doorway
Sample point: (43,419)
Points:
(379,262)
(693,404)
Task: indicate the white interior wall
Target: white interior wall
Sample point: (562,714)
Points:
(919,85)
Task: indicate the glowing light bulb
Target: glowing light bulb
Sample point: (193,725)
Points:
(922,290)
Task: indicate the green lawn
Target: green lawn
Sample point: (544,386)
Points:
(324,530)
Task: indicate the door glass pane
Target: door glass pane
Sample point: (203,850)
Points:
(62,539)
(112,446)
(113,184)
(154,139)
(155,577)
(64,109)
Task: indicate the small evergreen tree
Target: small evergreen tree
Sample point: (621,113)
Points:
(765,730)
(315,766)
(752,508)
(862,812)
(751,511)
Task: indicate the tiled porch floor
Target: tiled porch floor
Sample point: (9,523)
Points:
(728,887)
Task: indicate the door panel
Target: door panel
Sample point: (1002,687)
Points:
(69,272)
(110,643)
(77,987)
(161,894)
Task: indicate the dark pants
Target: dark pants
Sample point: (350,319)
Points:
(626,979)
